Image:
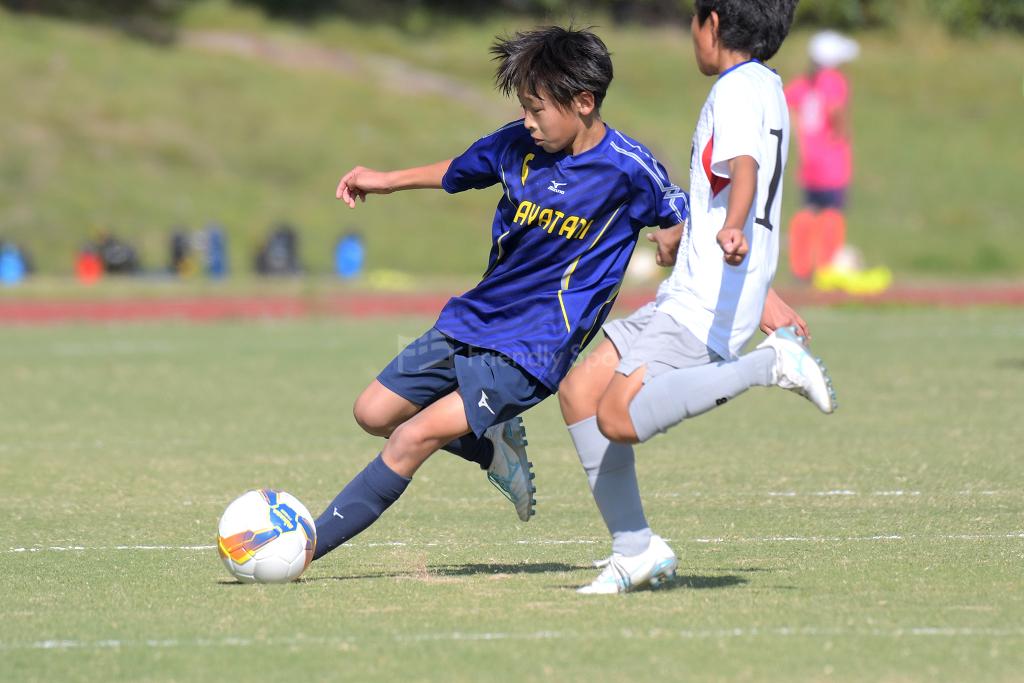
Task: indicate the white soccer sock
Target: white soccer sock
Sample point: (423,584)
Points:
(674,396)
(611,469)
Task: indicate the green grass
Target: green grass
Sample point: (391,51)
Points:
(101,131)
(140,435)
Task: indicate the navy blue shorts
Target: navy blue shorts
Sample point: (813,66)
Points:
(493,388)
(825,199)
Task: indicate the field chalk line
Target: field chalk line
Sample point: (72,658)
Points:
(836,493)
(463,636)
(424,544)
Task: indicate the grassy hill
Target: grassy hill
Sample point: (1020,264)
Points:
(247,121)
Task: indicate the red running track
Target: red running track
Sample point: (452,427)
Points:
(365,305)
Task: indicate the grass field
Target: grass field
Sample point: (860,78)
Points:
(883,543)
(104,132)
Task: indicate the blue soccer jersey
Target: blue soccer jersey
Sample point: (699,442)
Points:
(562,236)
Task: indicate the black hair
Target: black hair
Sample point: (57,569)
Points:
(562,62)
(754,27)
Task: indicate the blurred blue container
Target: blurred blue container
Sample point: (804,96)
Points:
(12,265)
(349,256)
(216,253)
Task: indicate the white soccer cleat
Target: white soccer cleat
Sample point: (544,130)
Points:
(621,574)
(797,370)
(510,470)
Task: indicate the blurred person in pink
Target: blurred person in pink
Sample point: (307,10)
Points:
(819,101)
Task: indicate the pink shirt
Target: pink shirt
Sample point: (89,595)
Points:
(825,156)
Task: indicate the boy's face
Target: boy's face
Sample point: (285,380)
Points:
(705,40)
(552,127)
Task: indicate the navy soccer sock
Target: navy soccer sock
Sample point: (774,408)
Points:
(472,448)
(359,505)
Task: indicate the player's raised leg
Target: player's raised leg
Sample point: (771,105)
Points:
(610,466)
(385,478)
(634,413)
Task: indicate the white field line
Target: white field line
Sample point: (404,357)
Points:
(485,636)
(542,542)
(838,493)
(834,493)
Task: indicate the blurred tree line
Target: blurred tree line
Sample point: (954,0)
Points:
(156,19)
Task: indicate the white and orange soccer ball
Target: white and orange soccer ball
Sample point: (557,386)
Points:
(266,536)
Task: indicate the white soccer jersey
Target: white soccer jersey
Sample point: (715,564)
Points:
(745,115)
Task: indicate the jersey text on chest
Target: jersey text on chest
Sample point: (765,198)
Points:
(529,214)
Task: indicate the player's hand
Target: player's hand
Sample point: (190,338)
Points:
(734,245)
(667,241)
(359,182)
(777,313)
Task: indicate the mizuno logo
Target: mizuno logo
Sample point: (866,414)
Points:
(338,514)
(483,402)
(556,187)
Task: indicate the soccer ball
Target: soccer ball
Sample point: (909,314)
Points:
(266,536)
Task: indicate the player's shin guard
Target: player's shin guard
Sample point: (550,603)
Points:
(359,504)
(668,399)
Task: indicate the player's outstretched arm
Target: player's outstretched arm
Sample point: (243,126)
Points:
(743,178)
(361,181)
(667,241)
(777,313)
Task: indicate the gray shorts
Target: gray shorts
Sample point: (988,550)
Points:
(649,337)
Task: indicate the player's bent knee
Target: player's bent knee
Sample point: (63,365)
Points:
(615,423)
(573,399)
(370,418)
(407,449)
(410,439)
(579,393)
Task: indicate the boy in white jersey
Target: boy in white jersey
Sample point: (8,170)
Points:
(677,357)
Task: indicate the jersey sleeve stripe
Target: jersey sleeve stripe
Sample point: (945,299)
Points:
(642,151)
(670,192)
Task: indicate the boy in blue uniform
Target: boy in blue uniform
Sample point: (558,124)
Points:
(574,195)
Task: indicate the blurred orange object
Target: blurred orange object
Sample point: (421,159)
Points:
(831,229)
(802,244)
(814,240)
(88,268)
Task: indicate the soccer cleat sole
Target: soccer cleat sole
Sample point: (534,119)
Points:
(663,576)
(515,434)
(833,403)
